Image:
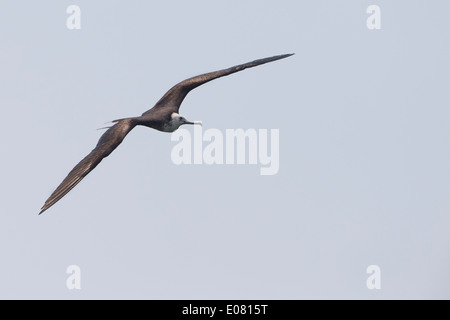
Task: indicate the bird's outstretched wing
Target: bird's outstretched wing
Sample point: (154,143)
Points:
(107,143)
(175,96)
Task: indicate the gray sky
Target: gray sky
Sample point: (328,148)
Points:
(364,173)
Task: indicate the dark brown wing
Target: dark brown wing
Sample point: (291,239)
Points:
(175,96)
(107,143)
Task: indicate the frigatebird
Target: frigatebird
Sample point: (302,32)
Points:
(163,117)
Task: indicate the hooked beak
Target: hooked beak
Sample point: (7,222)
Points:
(194,122)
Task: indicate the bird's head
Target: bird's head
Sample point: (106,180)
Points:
(178,120)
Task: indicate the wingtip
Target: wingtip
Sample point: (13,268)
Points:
(283,56)
(103,128)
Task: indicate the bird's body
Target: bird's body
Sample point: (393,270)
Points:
(163,117)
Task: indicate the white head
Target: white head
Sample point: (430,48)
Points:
(177,121)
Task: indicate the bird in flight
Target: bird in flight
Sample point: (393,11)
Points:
(163,117)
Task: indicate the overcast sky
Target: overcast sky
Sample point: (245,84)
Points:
(364,176)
